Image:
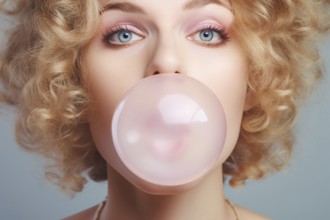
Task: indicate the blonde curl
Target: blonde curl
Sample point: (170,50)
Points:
(41,74)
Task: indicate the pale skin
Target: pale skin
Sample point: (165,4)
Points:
(136,39)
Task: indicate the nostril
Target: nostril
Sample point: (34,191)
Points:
(158,72)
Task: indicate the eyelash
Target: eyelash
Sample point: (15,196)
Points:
(218,29)
(115,30)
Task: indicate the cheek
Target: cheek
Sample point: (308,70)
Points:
(106,81)
(233,100)
(232,93)
(115,66)
(104,103)
(109,75)
(102,108)
(226,76)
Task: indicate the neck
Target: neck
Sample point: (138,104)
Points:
(204,201)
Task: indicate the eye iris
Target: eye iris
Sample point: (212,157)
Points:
(125,36)
(206,35)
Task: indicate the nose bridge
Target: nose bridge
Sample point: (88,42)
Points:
(166,56)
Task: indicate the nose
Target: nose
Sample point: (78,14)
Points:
(165,58)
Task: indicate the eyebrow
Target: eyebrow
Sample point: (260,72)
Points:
(200,3)
(123,6)
(133,8)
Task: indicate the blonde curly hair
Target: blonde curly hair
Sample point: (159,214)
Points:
(41,76)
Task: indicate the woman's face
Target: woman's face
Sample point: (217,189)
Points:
(137,39)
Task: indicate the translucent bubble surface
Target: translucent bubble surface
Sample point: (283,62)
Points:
(169,129)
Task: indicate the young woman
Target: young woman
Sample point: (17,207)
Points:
(68,63)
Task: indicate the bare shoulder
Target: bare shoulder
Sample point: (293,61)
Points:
(245,214)
(87,214)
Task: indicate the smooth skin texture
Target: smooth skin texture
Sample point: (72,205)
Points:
(139,38)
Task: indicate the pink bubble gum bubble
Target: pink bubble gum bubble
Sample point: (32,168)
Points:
(169,129)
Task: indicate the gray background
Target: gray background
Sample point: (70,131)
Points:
(300,193)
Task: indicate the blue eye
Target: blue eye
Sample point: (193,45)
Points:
(209,36)
(124,36)
(121,36)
